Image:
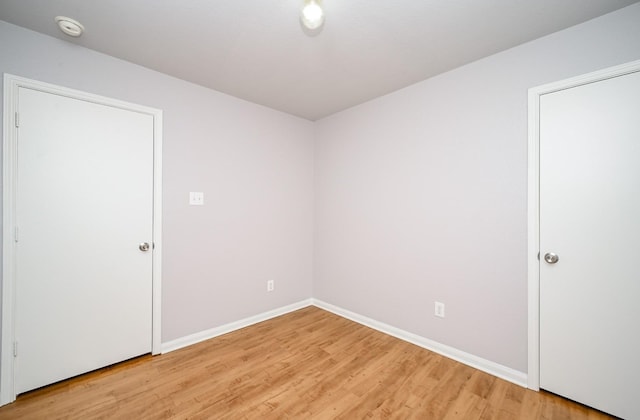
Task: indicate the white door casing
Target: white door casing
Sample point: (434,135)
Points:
(583,205)
(84,258)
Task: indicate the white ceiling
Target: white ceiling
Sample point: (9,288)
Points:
(257,49)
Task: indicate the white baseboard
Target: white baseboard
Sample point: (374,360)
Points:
(233,326)
(492,368)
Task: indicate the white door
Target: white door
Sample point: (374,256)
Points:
(590,218)
(84,202)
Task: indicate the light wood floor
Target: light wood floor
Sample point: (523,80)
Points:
(306,364)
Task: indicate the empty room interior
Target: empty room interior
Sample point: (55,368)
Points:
(320,209)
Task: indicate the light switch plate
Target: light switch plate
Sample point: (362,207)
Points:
(196,198)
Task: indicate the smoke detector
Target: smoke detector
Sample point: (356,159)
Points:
(69,26)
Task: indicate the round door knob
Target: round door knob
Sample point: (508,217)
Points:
(144,246)
(551,258)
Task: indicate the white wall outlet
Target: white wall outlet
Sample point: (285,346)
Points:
(196,198)
(271,285)
(439,309)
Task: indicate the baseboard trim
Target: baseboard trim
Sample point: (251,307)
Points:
(188,340)
(492,368)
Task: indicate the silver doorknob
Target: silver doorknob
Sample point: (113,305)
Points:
(144,246)
(551,258)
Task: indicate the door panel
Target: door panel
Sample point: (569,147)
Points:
(590,217)
(83,205)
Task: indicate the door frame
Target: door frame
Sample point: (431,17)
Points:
(11,86)
(533,194)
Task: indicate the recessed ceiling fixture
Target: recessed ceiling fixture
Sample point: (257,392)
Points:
(69,26)
(312,15)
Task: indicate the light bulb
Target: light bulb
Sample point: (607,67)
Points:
(312,14)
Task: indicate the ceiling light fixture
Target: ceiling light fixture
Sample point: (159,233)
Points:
(69,26)
(312,15)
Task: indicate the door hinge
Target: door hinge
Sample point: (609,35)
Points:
(17,120)
(15,234)
(15,349)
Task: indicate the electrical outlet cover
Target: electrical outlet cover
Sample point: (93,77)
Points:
(196,198)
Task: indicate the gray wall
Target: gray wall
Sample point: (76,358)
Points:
(255,166)
(421,195)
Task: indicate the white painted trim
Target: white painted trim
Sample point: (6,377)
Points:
(533,217)
(11,85)
(492,368)
(156,269)
(232,326)
(533,243)
(7,393)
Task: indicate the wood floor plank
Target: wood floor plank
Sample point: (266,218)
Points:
(309,364)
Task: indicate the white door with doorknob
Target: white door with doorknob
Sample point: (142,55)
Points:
(590,243)
(83,212)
